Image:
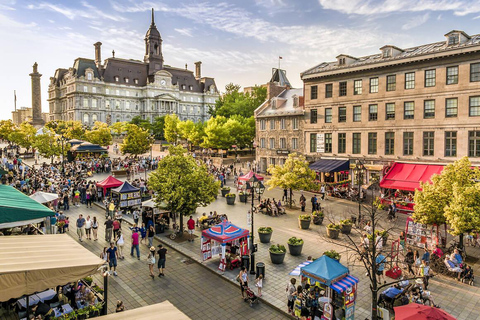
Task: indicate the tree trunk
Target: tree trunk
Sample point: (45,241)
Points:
(374,301)
(291,197)
(460,241)
(181,225)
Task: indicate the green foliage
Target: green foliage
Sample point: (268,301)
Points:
(333,226)
(171,130)
(318,213)
(305,217)
(294,174)
(192,132)
(68,129)
(217,134)
(233,102)
(381,233)
(294,241)
(158,127)
(24,135)
(230,195)
(119,128)
(265,230)
(142,123)
(277,248)
(332,254)
(48,146)
(136,141)
(346,222)
(226,188)
(100,134)
(6,127)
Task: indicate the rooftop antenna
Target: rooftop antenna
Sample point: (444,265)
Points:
(113,53)
(153,18)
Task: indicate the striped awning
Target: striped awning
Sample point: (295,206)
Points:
(344,283)
(296,271)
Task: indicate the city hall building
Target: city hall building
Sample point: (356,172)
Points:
(119,89)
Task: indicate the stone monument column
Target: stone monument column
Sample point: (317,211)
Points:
(36,98)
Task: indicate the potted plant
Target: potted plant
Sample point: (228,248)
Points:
(225,191)
(333,230)
(332,254)
(243,196)
(295,246)
(265,234)
(304,221)
(82,314)
(318,217)
(97,289)
(346,226)
(88,280)
(383,234)
(277,253)
(230,198)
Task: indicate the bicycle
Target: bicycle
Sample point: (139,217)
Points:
(176,231)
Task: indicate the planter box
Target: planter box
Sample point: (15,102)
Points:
(224,192)
(295,250)
(277,258)
(317,220)
(346,228)
(265,237)
(230,200)
(333,234)
(243,198)
(304,224)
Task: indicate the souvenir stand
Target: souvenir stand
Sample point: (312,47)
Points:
(127,195)
(242,180)
(215,239)
(159,212)
(109,183)
(424,236)
(340,287)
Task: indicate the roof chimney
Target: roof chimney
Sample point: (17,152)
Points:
(198,70)
(98,54)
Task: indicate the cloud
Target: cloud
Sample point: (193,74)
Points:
(271,3)
(7,5)
(91,13)
(416,21)
(185,31)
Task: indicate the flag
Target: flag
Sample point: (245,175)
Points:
(280,57)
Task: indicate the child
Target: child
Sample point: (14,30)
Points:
(259,284)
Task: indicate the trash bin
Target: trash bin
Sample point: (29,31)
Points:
(260,269)
(246,262)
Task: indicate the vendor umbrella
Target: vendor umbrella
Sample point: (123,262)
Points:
(296,271)
(415,311)
(44,197)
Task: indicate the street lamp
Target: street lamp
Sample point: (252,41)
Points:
(61,140)
(358,171)
(256,186)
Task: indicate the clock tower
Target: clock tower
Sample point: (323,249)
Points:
(153,48)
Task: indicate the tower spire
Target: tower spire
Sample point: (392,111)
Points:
(153,18)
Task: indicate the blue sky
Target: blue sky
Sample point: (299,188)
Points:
(238,41)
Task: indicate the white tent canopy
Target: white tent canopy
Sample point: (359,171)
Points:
(44,197)
(34,263)
(152,204)
(152,312)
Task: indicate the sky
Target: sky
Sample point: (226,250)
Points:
(238,41)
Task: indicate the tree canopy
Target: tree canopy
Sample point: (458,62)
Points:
(6,127)
(171,129)
(100,134)
(68,129)
(24,135)
(234,102)
(136,141)
(48,145)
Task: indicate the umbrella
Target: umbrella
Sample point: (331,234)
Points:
(151,204)
(415,311)
(44,197)
(296,271)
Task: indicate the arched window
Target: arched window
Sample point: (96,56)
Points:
(94,118)
(86,119)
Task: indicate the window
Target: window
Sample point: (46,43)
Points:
(107,104)
(85,118)
(386,53)
(262,143)
(408,110)
(313,92)
(126,80)
(342,142)
(357,87)
(390,111)
(272,143)
(389,143)
(94,89)
(107,91)
(372,143)
(453,39)
(430,78)
(117,105)
(135,81)
(342,88)
(474,143)
(328,143)
(372,112)
(474,72)
(94,103)
(429,109)
(283,123)
(283,143)
(341,61)
(450,143)
(428,143)
(117,92)
(294,143)
(313,142)
(357,113)
(451,107)
(328,90)
(328,115)
(89,76)
(272,161)
(272,124)
(357,143)
(127,105)
(474,107)
(85,89)
(116,78)
(391,82)
(295,123)
(263,124)
(452,75)
(342,114)
(408,143)
(94,118)
(373,85)
(313,116)
(410,80)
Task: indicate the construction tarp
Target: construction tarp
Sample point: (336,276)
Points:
(34,263)
(407,176)
(152,312)
(17,209)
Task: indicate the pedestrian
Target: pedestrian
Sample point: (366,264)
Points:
(285,194)
(151,261)
(143,232)
(259,284)
(135,245)
(112,258)
(151,234)
(162,258)
(191,228)
(409,260)
(426,255)
(380,262)
(88,199)
(120,244)
(108,229)
(243,277)
(80,227)
(95,229)
(290,297)
(136,215)
(303,202)
(76,198)
(417,262)
(53,224)
(120,306)
(111,209)
(116,227)
(425,272)
(314,201)
(88,228)
(104,254)
(322,191)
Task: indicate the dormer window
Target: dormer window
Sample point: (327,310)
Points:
(341,61)
(387,53)
(89,76)
(295,101)
(453,39)
(183,86)
(191,88)
(126,80)
(135,81)
(116,78)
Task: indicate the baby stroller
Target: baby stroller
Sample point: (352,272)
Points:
(250,296)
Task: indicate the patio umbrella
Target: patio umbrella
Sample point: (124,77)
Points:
(44,197)
(415,311)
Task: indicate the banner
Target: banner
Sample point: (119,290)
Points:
(206,249)
(320,142)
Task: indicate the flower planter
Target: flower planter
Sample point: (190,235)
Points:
(265,237)
(346,228)
(277,258)
(295,250)
(304,224)
(317,220)
(230,200)
(333,233)
(224,192)
(243,198)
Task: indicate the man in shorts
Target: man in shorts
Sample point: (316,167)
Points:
(162,257)
(80,227)
(112,255)
(191,228)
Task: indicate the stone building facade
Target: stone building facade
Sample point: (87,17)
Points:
(120,89)
(419,105)
(279,122)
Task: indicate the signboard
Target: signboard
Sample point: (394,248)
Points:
(320,142)
(327,312)
(206,249)
(249,218)
(283,152)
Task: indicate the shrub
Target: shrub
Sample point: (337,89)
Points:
(333,226)
(295,241)
(305,217)
(230,195)
(381,233)
(265,230)
(318,213)
(346,222)
(226,188)
(277,248)
(242,193)
(332,254)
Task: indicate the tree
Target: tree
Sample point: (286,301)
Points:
(171,130)
(100,134)
(48,145)
(68,129)
(6,127)
(182,183)
(158,126)
(294,175)
(142,123)
(137,140)
(216,134)
(233,102)
(192,132)
(24,135)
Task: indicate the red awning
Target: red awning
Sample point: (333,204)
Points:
(407,176)
(249,176)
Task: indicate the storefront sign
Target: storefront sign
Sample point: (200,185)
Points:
(320,142)
(327,312)
(350,312)
(283,152)
(349,295)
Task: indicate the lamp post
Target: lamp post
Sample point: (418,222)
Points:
(61,139)
(256,186)
(358,171)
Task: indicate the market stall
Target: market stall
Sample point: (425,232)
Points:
(87,149)
(109,183)
(152,312)
(44,197)
(242,180)
(160,215)
(425,236)
(339,285)
(127,195)
(215,240)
